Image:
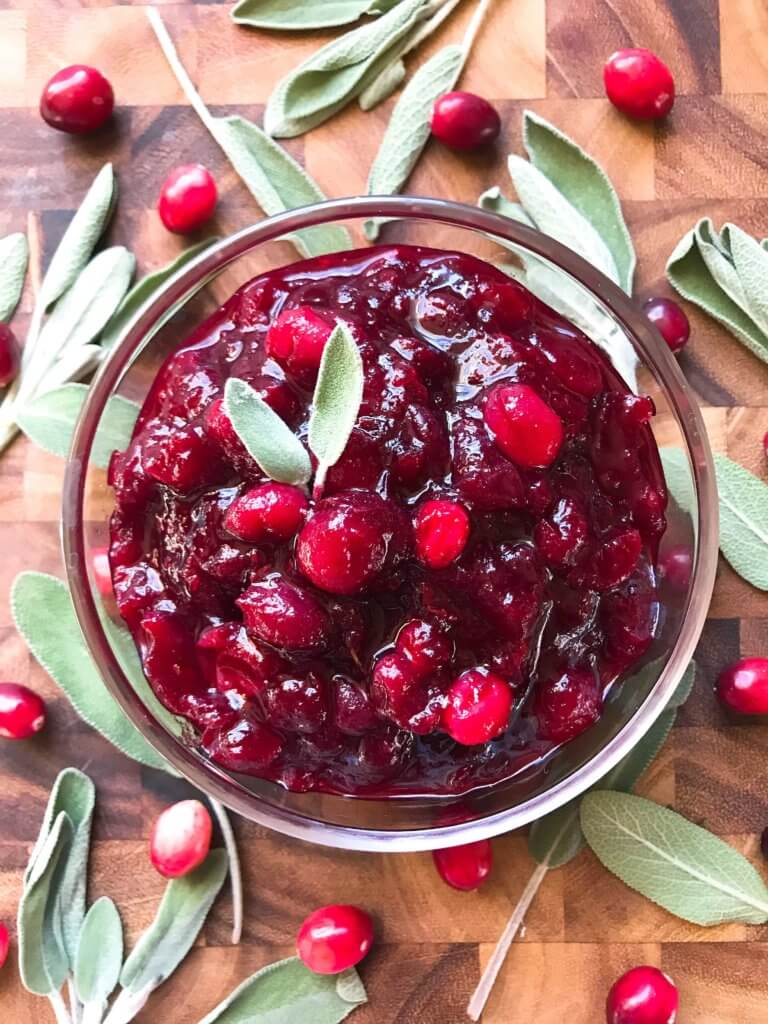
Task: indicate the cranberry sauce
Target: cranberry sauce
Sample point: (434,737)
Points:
(476,573)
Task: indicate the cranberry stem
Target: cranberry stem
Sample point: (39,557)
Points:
(235,874)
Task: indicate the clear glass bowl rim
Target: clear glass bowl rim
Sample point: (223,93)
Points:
(215,782)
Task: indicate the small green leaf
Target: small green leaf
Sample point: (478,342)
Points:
(14,254)
(743,520)
(43,613)
(49,421)
(286,992)
(182,912)
(751,265)
(40,953)
(494,201)
(99,953)
(584,184)
(288,15)
(383,85)
(683,868)
(72,792)
(336,401)
(719,261)
(267,438)
(678,476)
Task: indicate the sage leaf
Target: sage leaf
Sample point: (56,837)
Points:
(494,201)
(409,127)
(145,289)
(49,421)
(671,861)
(678,476)
(34,943)
(42,611)
(336,401)
(381,88)
(99,953)
(585,185)
(267,438)
(719,262)
(743,520)
(751,265)
(286,992)
(288,15)
(14,254)
(182,912)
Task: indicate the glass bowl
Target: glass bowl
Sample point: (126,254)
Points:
(582,293)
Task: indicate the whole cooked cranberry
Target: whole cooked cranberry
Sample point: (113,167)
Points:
(743,686)
(102,574)
(246,747)
(478,707)
(9,355)
(360,465)
(78,99)
(463,120)
(22,712)
(181,838)
(354,712)
(351,537)
(525,428)
(182,459)
(296,339)
(485,479)
(441,531)
(567,704)
(5,941)
(615,559)
(644,995)
(561,537)
(676,566)
(398,694)
(465,867)
(285,614)
(639,84)
(669,320)
(187,199)
(269,511)
(425,646)
(420,448)
(333,939)
(298,705)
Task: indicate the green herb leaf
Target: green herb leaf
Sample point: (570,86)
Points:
(743,520)
(14,254)
(381,88)
(99,953)
(291,16)
(44,616)
(182,912)
(683,868)
(751,265)
(409,128)
(40,954)
(145,289)
(336,401)
(494,201)
(684,688)
(286,992)
(584,184)
(336,73)
(678,476)
(49,421)
(267,438)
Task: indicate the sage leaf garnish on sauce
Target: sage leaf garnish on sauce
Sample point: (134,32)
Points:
(14,254)
(267,438)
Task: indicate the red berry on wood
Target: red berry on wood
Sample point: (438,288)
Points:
(465,867)
(743,686)
(334,938)
(5,941)
(187,199)
(9,355)
(639,84)
(181,838)
(22,712)
(644,995)
(78,99)
(463,120)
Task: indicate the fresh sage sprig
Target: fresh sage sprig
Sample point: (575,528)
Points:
(291,16)
(275,180)
(99,959)
(267,437)
(724,273)
(14,255)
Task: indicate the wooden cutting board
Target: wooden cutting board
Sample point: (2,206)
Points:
(709,158)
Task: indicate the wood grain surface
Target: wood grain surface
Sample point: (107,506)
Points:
(710,157)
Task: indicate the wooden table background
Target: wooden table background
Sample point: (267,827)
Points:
(710,157)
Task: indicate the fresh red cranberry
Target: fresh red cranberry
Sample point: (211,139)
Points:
(669,320)
(639,84)
(285,614)
(183,459)
(442,530)
(561,537)
(78,99)
(478,707)
(525,428)
(298,705)
(5,941)
(187,199)
(333,939)
(102,574)
(676,566)
(465,867)
(9,355)
(568,704)
(743,686)
(463,120)
(181,838)
(349,540)
(764,842)
(269,511)
(246,747)
(644,995)
(296,340)
(22,712)
(425,646)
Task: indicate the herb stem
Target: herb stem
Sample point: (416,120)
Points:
(75,1007)
(182,77)
(492,968)
(235,874)
(128,1004)
(475,25)
(59,1008)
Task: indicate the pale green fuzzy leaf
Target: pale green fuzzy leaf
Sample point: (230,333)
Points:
(382,87)
(14,254)
(267,438)
(290,15)
(718,260)
(286,992)
(585,185)
(678,476)
(337,398)
(40,954)
(683,868)
(409,127)
(751,263)
(181,915)
(49,421)
(743,520)
(43,613)
(72,792)
(494,201)
(559,218)
(99,953)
